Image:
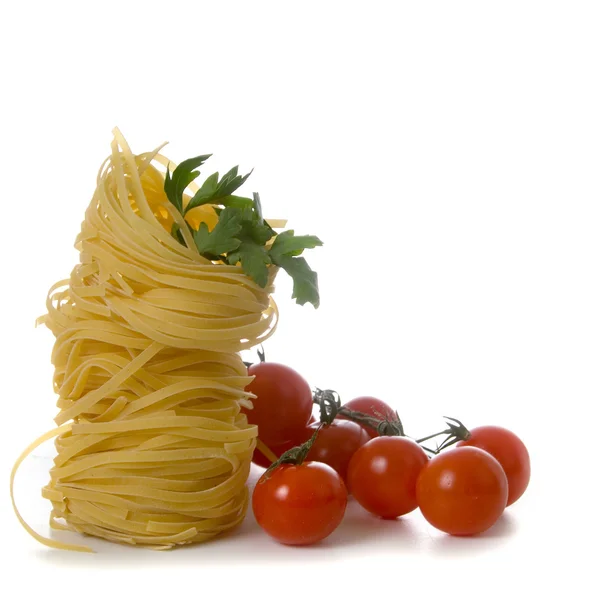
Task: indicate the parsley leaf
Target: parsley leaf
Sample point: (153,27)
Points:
(241,234)
(259,234)
(258,207)
(222,238)
(208,188)
(284,252)
(181,177)
(293,245)
(306,285)
(176,233)
(252,254)
(230,182)
(254,260)
(237,201)
(214,191)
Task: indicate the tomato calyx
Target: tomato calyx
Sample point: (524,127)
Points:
(330,406)
(296,455)
(455,432)
(261,353)
(329,403)
(261,357)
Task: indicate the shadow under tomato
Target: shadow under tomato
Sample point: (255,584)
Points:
(360,527)
(451,545)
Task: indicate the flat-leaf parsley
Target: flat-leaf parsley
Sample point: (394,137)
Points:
(241,235)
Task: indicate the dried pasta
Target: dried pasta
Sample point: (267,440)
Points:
(152,448)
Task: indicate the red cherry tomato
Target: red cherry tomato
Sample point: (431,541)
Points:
(383,473)
(261,460)
(300,504)
(283,403)
(373,407)
(509,451)
(336,444)
(462,491)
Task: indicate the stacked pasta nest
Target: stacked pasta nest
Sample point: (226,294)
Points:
(152,447)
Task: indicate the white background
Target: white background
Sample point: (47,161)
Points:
(448,155)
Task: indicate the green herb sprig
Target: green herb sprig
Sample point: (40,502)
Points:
(241,234)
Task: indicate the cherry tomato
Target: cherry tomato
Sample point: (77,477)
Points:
(462,491)
(383,473)
(283,403)
(373,407)
(336,444)
(261,460)
(509,451)
(300,504)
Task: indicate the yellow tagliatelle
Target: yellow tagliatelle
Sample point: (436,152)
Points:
(152,448)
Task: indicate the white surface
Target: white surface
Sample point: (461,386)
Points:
(447,153)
